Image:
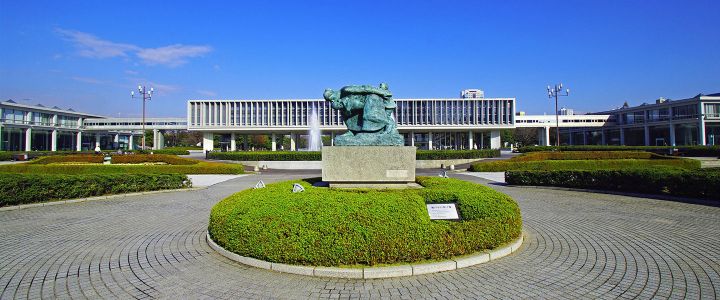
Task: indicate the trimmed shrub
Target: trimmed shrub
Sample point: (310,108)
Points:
(5,156)
(167,151)
(199,168)
(456,154)
(28,188)
(688,183)
(317,155)
(267,155)
(583,155)
(683,150)
(336,227)
(116,159)
(599,164)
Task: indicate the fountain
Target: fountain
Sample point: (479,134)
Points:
(314,138)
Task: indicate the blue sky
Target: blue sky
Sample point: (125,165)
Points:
(89,55)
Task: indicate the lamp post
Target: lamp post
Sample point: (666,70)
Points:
(556,91)
(146,95)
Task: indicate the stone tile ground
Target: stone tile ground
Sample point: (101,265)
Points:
(579,245)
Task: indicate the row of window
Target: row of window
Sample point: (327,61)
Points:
(36,118)
(690,111)
(299,113)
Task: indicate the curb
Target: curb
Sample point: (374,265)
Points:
(51,203)
(374,272)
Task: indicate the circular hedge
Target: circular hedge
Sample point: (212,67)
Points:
(335,227)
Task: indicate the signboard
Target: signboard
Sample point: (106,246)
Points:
(443,211)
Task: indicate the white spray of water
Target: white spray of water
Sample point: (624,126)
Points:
(314,138)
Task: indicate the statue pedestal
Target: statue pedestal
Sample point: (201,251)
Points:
(369,166)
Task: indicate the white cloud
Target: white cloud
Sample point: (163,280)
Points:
(89,45)
(205,93)
(173,55)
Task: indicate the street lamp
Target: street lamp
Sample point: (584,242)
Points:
(556,91)
(146,95)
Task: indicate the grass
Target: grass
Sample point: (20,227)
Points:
(329,227)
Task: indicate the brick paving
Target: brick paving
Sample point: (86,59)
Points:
(579,245)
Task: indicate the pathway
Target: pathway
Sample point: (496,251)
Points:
(579,245)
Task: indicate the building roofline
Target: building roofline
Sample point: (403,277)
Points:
(50,109)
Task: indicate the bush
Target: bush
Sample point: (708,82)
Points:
(456,154)
(331,227)
(116,159)
(28,188)
(5,156)
(267,155)
(317,155)
(689,183)
(162,151)
(584,155)
(615,164)
(683,150)
(199,168)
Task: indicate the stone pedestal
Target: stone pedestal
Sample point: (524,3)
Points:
(368,166)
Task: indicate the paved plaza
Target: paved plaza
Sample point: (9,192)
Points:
(579,245)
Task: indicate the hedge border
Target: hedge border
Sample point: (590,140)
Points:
(317,155)
(700,184)
(401,270)
(691,151)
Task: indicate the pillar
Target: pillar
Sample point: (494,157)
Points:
(543,136)
(412,138)
(495,139)
(1,142)
(585,134)
(672,135)
(97,140)
(28,139)
(430,141)
(78,141)
(570,138)
(647,135)
(273,142)
(701,128)
(130,142)
(482,140)
(208,141)
(470,140)
(547,136)
(155,139)
(332,138)
(602,137)
(495,142)
(233,146)
(292,142)
(53,140)
(622,136)
(116,141)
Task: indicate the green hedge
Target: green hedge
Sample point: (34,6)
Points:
(688,183)
(317,155)
(162,151)
(28,188)
(501,166)
(116,159)
(683,150)
(456,154)
(331,227)
(267,155)
(199,168)
(585,155)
